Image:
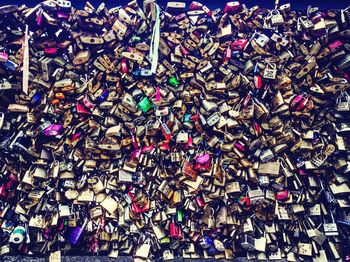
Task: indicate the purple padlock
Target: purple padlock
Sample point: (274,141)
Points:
(53,130)
(76,233)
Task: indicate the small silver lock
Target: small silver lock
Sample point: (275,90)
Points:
(343,102)
(262,40)
(270,71)
(276,18)
(305,22)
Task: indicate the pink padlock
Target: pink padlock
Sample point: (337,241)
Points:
(39,19)
(53,130)
(81,109)
(202,159)
(282,195)
(298,103)
(302,104)
(203,163)
(50,50)
(3,57)
(239,146)
(335,44)
(136,153)
(3,192)
(76,136)
(88,102)
(148,149)
(62,15)
(124,66)
(200,202)
(184,50)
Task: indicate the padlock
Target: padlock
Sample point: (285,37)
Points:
(343,102)
(182,138)
(270,71)
(188,170)
(203,163)
(276,18)
(175,230)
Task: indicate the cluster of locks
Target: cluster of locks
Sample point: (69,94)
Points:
(162,131)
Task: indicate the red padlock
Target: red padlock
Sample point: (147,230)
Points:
(257,128)
(165,131)
(124,66)
(146,207)
(232,7)
(135,208)
(76,136)
(245,201)
(194,118)
(164,146)
(257,81)
(239,44)
(247,99)
(302,104)
(189,143)
(195,6)
(175,230)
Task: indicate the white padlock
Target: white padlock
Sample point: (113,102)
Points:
(182,138)
(270,71)
(276,18)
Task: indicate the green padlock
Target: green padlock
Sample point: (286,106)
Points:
(179,216)
(144,104)
(173,81)
(164,240)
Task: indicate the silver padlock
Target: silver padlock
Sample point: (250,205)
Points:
(182,138)
(343,102)
(270,71)
(262,39)
(276,18)
(305,22)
